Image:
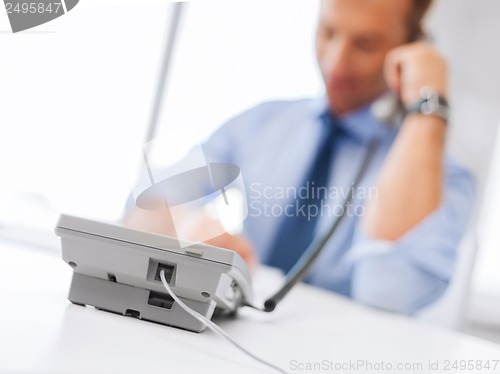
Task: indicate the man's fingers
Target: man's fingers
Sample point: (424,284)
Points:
(412,66)
(237,243)
(392,71)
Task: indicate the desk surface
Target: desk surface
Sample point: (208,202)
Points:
(42,332)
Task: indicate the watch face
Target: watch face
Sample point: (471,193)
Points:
(428,107)
(433,104)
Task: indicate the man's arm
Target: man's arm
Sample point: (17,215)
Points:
(410,273)
(410,184)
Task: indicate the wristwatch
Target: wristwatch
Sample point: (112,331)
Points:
(431,104)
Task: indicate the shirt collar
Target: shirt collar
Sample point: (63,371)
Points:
(359,124)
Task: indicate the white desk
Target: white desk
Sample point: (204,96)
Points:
(42,332)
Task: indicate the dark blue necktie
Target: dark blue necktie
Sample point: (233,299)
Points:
(296,231)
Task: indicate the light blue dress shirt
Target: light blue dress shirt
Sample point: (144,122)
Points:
(274,144)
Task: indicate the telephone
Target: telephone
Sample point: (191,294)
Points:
(388,109)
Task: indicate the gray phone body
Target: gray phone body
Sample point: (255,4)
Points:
(117,269)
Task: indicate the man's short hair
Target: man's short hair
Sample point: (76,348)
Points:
(417,13)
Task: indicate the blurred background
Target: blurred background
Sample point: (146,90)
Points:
(78,102)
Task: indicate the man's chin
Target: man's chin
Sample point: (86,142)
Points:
(344,105)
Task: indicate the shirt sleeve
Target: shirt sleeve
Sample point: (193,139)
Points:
(405,275)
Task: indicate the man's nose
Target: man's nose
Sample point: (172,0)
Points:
(337,58)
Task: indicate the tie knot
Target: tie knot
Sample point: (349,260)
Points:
(331,126)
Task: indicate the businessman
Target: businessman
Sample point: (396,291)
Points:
(397,245)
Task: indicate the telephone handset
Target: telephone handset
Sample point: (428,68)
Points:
(388,109)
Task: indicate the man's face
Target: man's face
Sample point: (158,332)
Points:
(352,39)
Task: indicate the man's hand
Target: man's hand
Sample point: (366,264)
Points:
(209,228)
(410,67)
(237,243)
(410,182)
